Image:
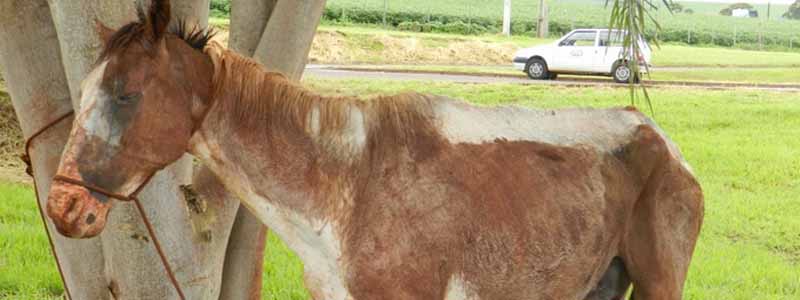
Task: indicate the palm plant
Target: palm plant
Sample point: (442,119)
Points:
(633,16)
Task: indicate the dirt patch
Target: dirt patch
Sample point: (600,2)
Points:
(336,47)
(11,140)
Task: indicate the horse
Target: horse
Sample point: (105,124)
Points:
(412,196)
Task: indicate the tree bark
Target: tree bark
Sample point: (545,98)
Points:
(255,27)
(244,257)
(30,60)
(122,260)
(286,41)
(248,20)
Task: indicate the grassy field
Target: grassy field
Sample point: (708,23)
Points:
(706,25)
(701,74)
(374,45)
(349,45)
(743,145)
(28,271)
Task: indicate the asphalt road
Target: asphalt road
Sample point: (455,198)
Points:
(343,72)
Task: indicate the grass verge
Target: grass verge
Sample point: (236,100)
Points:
(693,74)
(742,144)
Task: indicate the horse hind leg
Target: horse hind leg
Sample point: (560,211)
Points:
(614,283)
(665,222)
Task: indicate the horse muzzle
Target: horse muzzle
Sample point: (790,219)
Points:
(75,212)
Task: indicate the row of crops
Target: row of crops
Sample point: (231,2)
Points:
(481,16)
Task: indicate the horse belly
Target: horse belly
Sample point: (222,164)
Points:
(542,223)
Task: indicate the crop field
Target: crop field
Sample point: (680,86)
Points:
(358,45)
(742,145)
(705,26)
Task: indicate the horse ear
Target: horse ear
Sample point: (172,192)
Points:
(103,31)
(158,17)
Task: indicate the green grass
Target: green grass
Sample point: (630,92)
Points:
(27,270)
(678,55)
(364,37)
(702,74)
(367,30)
(743,145)
(747,75)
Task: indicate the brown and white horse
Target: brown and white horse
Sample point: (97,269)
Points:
(402,197)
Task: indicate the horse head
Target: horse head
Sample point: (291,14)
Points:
(138,110)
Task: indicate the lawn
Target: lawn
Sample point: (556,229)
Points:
(743,145)
(773,75)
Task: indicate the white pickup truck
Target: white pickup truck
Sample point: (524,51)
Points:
(582,52)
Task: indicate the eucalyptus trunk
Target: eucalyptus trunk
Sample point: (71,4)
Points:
(255,25)
(198,233)
(40,94)
(48,48)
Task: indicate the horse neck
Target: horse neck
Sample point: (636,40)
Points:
(267,138)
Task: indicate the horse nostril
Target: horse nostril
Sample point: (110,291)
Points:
(90,219)
(73,200)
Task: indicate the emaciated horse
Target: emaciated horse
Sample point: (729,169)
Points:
(402,197)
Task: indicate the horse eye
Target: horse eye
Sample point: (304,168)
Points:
(125,99)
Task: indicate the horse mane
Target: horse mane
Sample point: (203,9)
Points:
(256,100)
(196,37)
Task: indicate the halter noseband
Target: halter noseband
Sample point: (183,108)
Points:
(26,158)
(102,191)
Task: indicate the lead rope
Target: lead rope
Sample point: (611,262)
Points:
(134,197)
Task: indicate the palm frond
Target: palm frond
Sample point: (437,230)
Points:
(633,17)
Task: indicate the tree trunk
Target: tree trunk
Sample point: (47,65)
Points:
(122,260)
(286,41)
(254,27)
(244,257)
(40,94)
(248,20)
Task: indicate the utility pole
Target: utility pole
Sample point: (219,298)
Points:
(542,25)
(385,7)
(507,17)
(769,7)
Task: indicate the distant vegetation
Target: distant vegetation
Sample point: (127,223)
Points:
(676,7)
(220,8)
(701,24)
(793,12)
(698,24)
(728,11)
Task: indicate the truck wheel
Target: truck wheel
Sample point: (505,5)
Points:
(537,69)
(622,73)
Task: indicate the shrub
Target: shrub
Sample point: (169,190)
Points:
(728,11)
(459,24)
(676,7)
(221,7)
(432,27)
(410,26)
(793,12)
